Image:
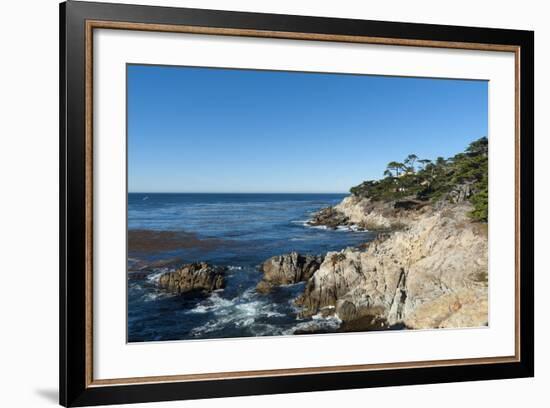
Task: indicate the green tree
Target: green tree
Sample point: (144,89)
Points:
(479,147)
(410,161)
(396,167)
(424,163)
(429,180)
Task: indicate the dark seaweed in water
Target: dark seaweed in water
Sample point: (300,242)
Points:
(236,230)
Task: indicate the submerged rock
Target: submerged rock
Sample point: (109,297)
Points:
(287,269)
(193,277)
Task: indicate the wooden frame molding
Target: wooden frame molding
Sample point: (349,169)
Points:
(98,24)
(288,35)
(78,22)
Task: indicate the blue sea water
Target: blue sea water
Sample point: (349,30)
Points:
(247,230)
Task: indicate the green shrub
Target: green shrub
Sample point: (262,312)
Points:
(481,206)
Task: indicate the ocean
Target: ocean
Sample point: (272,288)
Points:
(239,231)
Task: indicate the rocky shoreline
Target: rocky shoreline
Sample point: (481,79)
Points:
(364,214)
(428,271)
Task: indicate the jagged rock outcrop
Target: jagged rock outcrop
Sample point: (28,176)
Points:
(366,214)
(287,269)
(330,218)
(460,193)
(431,274)
(363,212)
(193,277)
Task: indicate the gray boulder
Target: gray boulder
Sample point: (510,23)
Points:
(330,218)
(193,277)
(287,269)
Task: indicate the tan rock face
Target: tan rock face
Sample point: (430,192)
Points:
(366,214)
(431,274)
(193,277)
(357,211)
(287,269)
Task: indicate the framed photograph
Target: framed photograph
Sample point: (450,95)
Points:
(256,203)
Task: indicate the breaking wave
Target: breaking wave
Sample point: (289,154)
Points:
(246,311)
(317,323)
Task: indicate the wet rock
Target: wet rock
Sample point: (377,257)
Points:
(287,269)
(365,323)
(330,218)
(193,277)
(346,310)
(264,287)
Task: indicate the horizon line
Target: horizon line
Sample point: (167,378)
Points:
(237,192)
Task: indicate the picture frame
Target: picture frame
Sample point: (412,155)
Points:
(79,21)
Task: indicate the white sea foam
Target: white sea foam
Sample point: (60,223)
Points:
(265,329)
(321,227)
(244,322)
(256,309)
(154,278)
(289,285)
(209,327)
(317,323)
(212,304)
(246,295)
(149,296)
(302,239)
(155,295)
(300,222)
(348,228)
(239,312)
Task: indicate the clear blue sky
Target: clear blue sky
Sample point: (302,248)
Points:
(221,130)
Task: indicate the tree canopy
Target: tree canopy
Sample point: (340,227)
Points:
(436,180)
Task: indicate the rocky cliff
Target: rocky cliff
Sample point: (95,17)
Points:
(431,273)
(366,214)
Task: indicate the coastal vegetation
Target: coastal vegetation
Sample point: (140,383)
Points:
(461,177)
